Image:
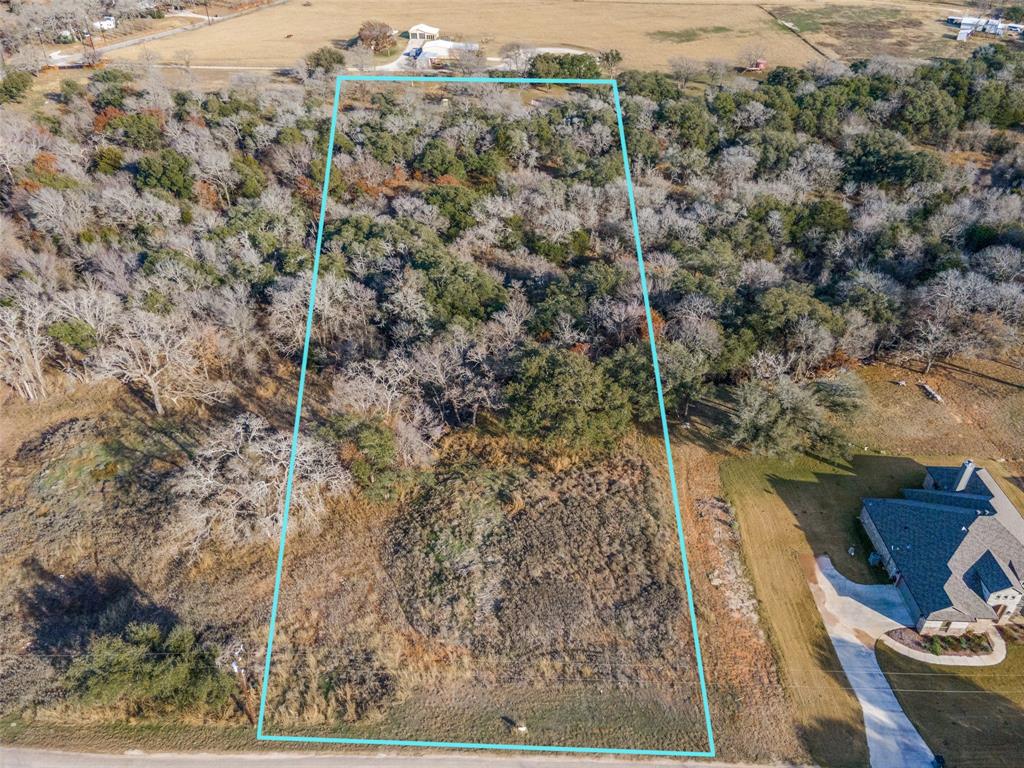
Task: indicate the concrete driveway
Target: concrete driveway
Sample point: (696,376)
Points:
(855,615)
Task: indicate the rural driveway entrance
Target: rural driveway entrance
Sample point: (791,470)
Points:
(855,616)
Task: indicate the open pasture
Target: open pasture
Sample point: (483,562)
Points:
(647,34)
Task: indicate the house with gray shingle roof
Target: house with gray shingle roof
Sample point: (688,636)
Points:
(955,549)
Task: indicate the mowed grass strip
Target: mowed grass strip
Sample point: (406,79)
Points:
(779,553)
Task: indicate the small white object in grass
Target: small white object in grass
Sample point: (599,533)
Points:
(852,551)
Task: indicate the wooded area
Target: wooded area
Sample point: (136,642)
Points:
(478,297)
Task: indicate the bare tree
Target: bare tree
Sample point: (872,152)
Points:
(342,321)
(361,57)
(515,55)
(235,485)
(159,354)
(453,373)
(185,56)
(25,344)
(99,310)
(373,386)
(718,70)
(20,141)
(1000,262)
(807,346)
(507,329)
(59,213)
(618,320)
(470,60)
(417,430)
(931,340)
(685,69)
(751,54)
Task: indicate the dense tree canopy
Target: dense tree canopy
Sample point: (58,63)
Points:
(562,399)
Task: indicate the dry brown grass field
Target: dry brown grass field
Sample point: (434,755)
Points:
(647,34)
(346,593)
(338,588)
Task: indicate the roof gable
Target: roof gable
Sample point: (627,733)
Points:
(953,547)
(972,501)
(989,575)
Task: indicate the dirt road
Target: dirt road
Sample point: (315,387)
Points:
(31,758)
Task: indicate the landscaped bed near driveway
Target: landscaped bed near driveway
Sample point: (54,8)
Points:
(972,716)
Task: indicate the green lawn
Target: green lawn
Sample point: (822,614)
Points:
(787,512)
(687,35)
(791,510)
(971,716)
(831,17)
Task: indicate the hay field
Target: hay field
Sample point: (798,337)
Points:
(647,34)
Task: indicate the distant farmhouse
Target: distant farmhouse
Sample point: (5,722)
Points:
(424,32)
(990,26)
(955,549)
(426,49)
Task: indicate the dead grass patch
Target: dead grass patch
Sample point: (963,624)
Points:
(546,592)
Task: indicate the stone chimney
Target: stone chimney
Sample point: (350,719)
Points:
(966,471)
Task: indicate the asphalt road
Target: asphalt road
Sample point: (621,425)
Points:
(31,758)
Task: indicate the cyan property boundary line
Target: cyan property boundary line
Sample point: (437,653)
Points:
(260,735)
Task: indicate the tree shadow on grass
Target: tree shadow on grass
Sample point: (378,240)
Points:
(829,740)
(826,508)
(65,611)
(705,424)
(972,376)
(834,743)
